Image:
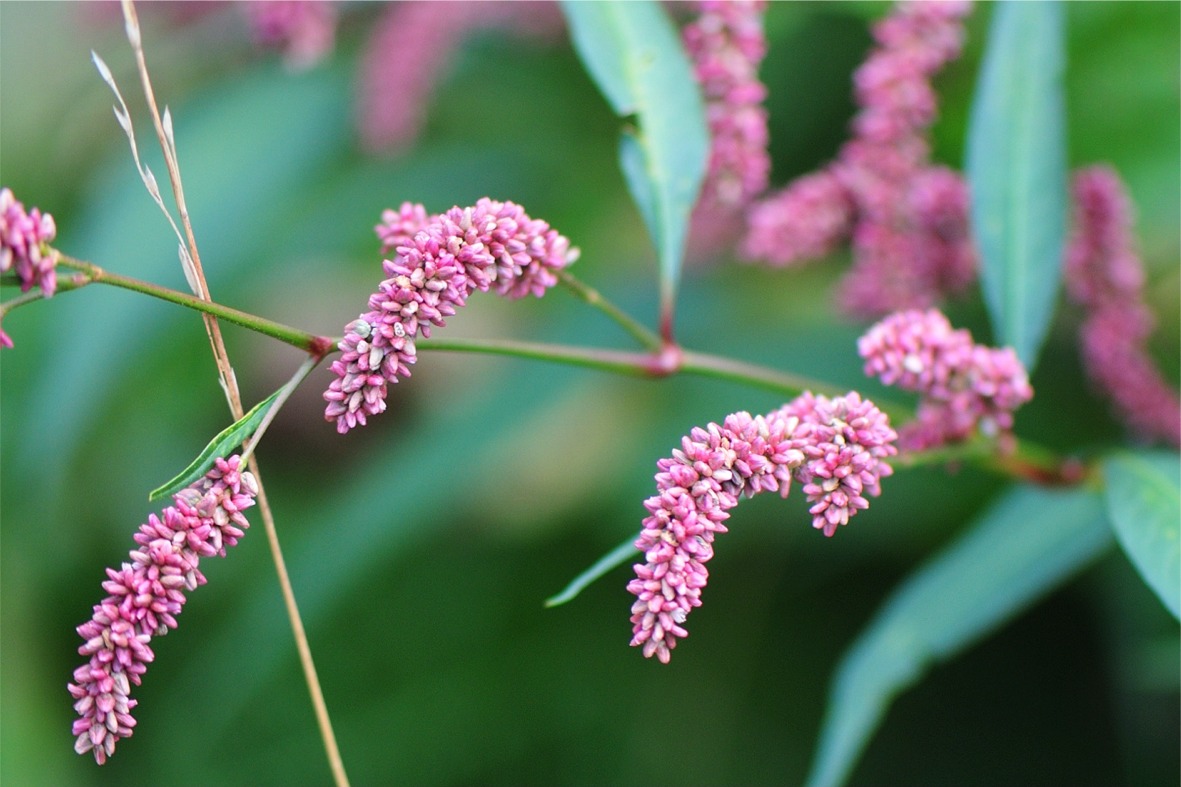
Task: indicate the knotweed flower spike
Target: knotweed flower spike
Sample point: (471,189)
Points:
(146,595)
(493,245)
(836,448)
(964,386)
(24,245)
(407,54)
(1105,276)
(906,219)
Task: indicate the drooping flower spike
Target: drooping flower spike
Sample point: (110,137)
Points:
(490,246)
(964,386)
(146,595)
(836,448)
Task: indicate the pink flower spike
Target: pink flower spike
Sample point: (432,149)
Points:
(24,245)
(836,447)
(1105,276)
(146,594)
(438,262)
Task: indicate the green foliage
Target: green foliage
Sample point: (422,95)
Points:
(1020,548)
(635,57)
(219,447)
(1143,496)
(1016,166)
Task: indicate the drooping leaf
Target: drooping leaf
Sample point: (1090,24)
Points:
(226,441)
(1143,496)
(1020,549)
(618,556)
(632,52)
(1016,166)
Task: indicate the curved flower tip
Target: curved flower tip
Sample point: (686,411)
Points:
(24,245)
(964,386)
(834,447)
(438,261)
(145,596)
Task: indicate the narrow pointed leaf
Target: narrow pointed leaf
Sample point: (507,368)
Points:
(226,441)
(633,53)
(618,556)
(1143,497)
(1016,165)
(1020,549)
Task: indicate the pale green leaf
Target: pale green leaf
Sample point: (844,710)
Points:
(634,55)
(1016,167)
(1143,497)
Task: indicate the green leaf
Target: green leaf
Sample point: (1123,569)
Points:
(633,53)
(226,441)
(618,556)
(1020,549)
(1016,166)
(1143,498)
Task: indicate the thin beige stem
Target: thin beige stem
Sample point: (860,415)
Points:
(233,395)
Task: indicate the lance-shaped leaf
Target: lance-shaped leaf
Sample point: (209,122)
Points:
(618,556)
(633,53)
(220,446)
(1016,164)
(1143,496)
(1020,549)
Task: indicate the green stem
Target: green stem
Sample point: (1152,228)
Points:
(594,298)
(316,346)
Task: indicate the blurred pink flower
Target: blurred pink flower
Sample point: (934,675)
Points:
(24,245)
(726,44)
(834,447)
(1105,276)
(409,49)
(907,220)
(146,595)
(493,245)
(303,30)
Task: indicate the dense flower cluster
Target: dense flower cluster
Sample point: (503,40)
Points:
(491,246)
(303,30)
(964,386)
(24,244)
(836,448)
(146,595)
(1105,276)
(906,219)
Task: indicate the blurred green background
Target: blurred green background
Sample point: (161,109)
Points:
(422,547)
